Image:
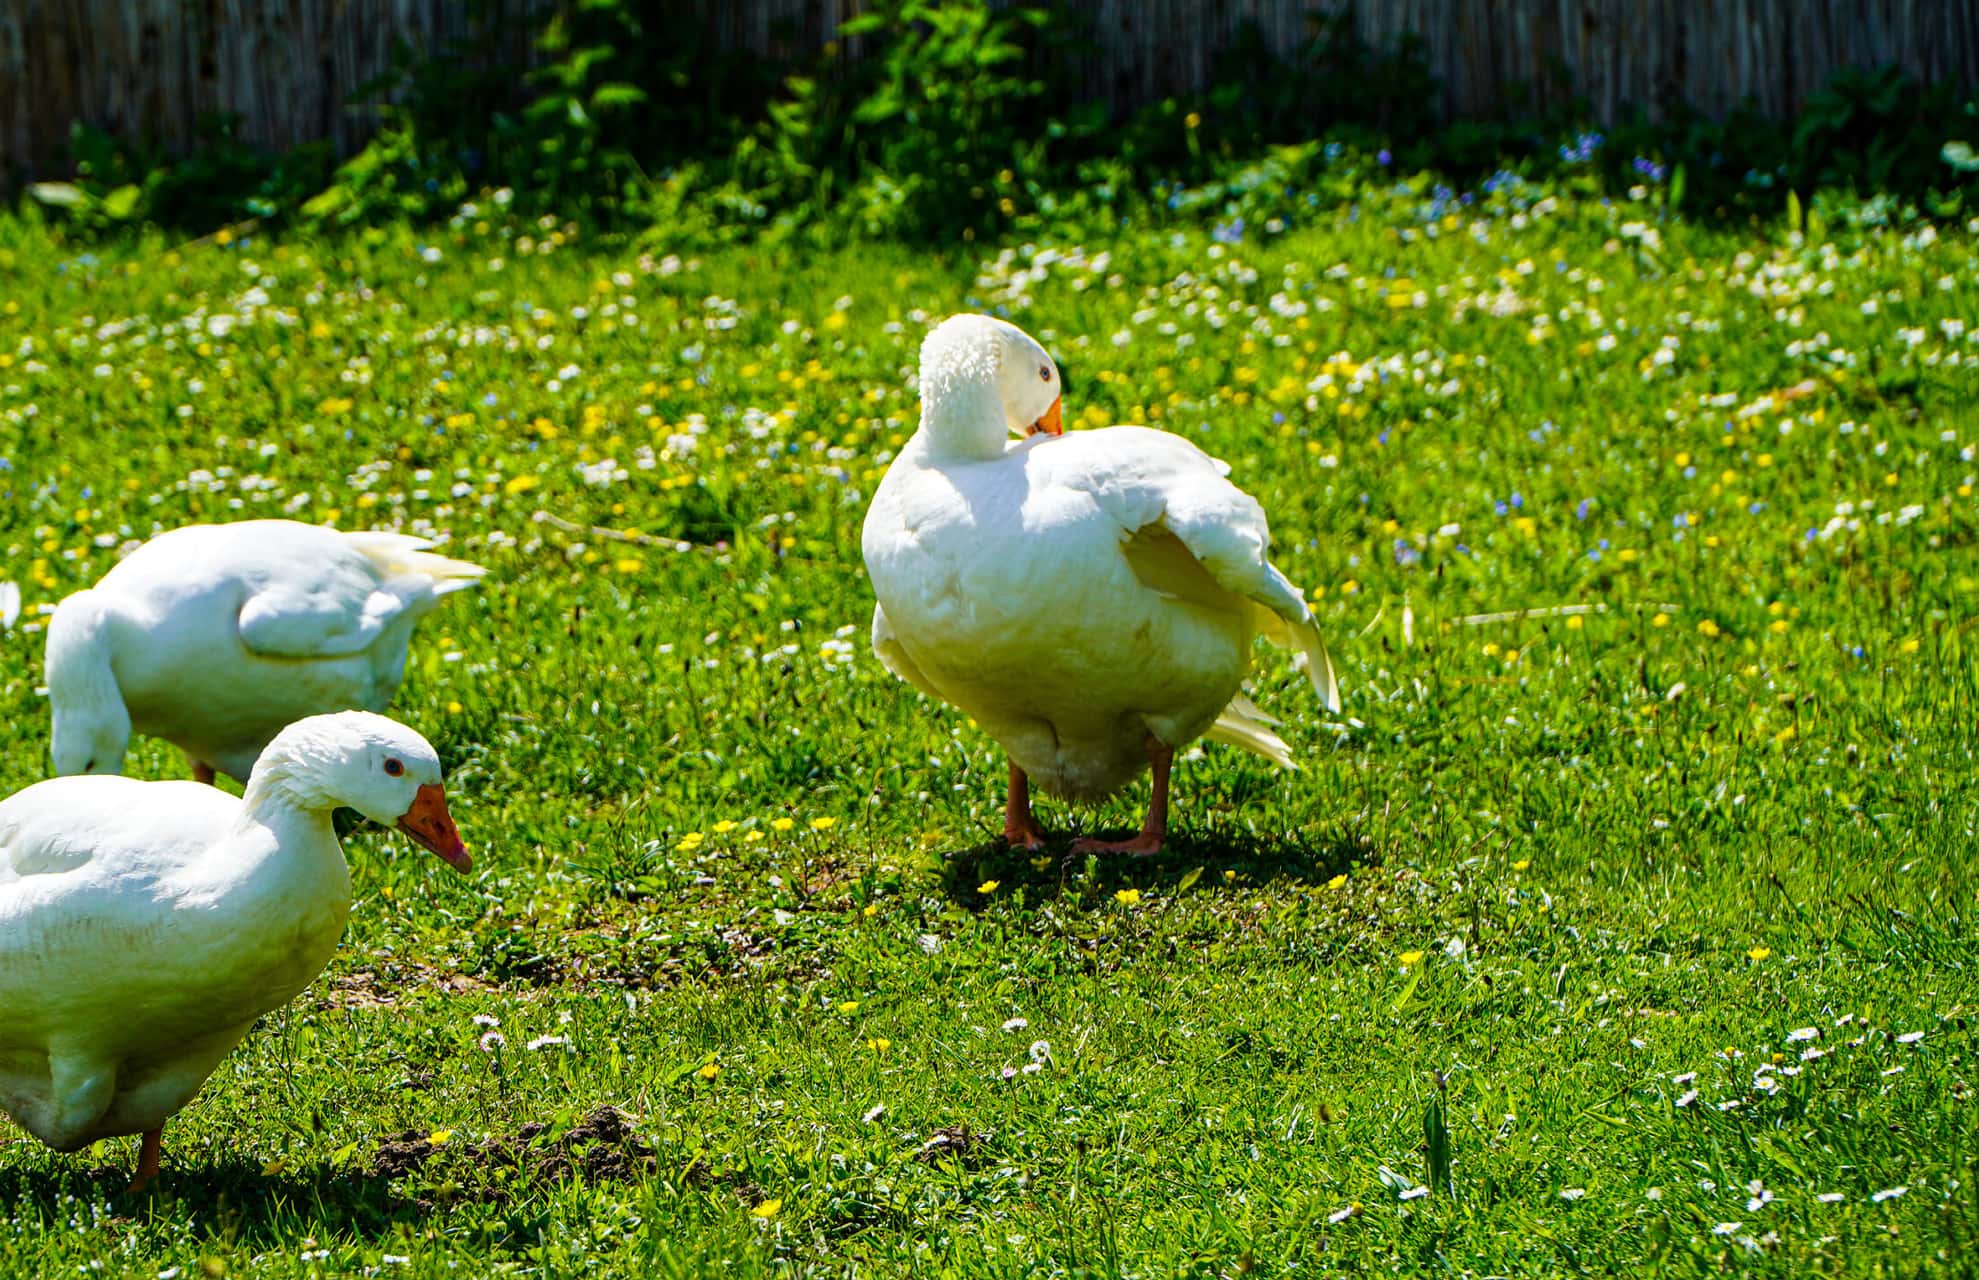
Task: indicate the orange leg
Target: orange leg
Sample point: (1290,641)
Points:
(202,772)
(1155,830)
(147,1161)
(1019,827)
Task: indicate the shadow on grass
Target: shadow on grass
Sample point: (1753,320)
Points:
(1225,855)
(230,1194)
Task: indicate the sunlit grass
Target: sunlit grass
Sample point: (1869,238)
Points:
(1640,853)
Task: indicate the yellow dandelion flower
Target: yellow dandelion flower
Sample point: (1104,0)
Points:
(1410,957)
(708,1071)
(1338,882)
(848,1006)
(824,824)
(1522,864)
(988,887)
(440,1137)
(767,1209)
(522,484)
(781,824)
(1758,953)
(1128,897)
(723,827)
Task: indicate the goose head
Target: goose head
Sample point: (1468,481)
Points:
(89,736)
(984,380)
(92,727)
(366,762)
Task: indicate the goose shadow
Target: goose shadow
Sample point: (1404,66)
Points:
(226,1193)
(1224,853)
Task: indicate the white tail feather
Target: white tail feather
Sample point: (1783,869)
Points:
(1304,636)
(402,555)
(1243,725)
(1319,663)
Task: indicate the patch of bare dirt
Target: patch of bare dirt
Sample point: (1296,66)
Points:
(953,1141)
(401,1154)
(602,1147)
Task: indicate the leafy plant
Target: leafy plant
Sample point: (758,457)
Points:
(931,121)
(921,135)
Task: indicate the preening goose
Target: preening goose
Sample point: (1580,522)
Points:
(213,637)
(1089,598)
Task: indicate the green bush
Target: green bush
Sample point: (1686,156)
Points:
(930,121)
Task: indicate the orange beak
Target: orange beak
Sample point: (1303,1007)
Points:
(429,824)
(1053,422)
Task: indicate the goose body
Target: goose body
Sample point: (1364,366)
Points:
(144,926)
(1089,598)
(214,637)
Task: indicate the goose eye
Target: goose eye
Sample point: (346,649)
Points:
(1044,373)
(394,766)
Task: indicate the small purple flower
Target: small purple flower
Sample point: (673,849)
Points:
(1382,157)
(1580,511)
(1231,232)
(1405,555)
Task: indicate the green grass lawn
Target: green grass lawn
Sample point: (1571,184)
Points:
(1627,907)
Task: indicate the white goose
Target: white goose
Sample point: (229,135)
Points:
(1090,599)
(144,926)
(215,636)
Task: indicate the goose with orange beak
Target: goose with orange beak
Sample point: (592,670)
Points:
(1089,599)
(145,926)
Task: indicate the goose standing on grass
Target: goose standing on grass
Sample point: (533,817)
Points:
(1090,599)
(144,926)
(215,636)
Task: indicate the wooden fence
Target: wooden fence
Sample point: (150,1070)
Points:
(155,69)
